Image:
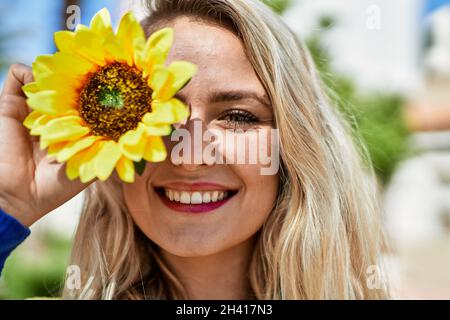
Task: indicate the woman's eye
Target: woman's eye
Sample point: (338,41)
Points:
(238,118)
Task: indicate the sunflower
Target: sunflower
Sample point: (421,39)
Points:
(104,100)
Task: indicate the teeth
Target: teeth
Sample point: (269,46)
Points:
(196,197)
(185,198)
(169,194)
(206,197)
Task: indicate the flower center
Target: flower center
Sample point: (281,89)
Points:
(110,98)
(114,99)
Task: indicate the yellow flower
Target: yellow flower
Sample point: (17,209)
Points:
(105,99)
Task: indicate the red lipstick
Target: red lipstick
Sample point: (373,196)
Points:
(192,208)
(192,187)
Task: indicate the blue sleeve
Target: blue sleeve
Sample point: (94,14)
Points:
(12,233)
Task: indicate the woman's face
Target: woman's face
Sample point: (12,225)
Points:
(225,94)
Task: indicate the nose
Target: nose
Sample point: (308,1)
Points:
(187,150)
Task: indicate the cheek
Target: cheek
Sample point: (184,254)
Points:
(138,199)
(258,194)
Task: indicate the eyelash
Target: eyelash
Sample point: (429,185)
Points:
(238,117)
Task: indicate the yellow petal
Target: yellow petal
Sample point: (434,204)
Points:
(65,41)
(115,48)
(61,64)
(81,27)
(156,50)
(87,165)
(71,64)
(106,159)
(39,124)
(132,143)
(62,129)
(162,40)
(180,74)
(155,150)
(54,149)
(62,84)
(161,130)
(83,42)
(162,115)
(169,112)
(49,102)
(125,169)
(30,87)
(147,60)
(82,159)
(36,121)
(32,119)
(89,45)
(73,166)
(43,65)
(72,148)
(131,36)
(158,80)
(180,110)
(101,23)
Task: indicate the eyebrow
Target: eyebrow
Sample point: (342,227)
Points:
(233,95)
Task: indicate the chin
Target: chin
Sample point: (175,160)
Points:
(192,247)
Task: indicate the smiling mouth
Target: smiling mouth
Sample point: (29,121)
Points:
(194,201)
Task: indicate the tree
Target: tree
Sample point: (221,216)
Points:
(5,37)
(279,6)
(376,118)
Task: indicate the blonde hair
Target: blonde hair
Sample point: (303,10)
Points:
(324,231)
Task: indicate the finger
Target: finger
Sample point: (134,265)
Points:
(13,107)
(18,75)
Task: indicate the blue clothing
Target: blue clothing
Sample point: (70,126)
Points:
(12,233)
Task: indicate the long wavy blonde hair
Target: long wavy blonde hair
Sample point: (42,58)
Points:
(324,231)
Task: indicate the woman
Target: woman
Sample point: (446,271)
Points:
(217,231)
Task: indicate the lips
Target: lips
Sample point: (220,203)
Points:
(197,197)
(194,198)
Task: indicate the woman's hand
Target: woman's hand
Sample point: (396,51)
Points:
(30,184)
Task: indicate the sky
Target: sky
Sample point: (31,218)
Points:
(32,24)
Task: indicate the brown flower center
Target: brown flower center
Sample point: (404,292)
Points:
(114,99)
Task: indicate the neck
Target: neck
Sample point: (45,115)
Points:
(220,276)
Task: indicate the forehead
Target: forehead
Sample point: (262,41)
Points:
(218,53)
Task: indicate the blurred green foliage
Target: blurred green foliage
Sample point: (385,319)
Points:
(376,118)
(381,126)
(4,38)
(279,6)
(38,271)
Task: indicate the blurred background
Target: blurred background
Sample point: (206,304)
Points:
(387,64)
